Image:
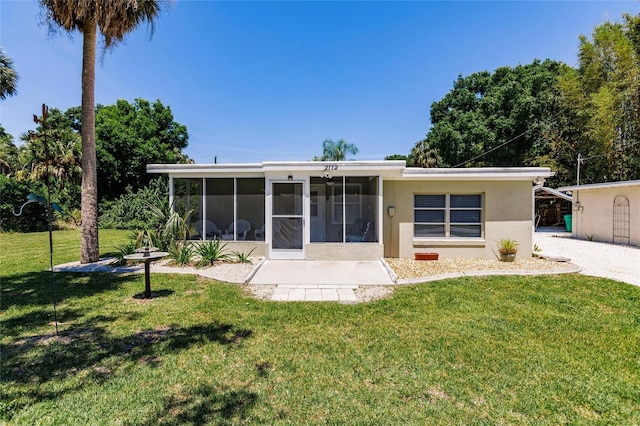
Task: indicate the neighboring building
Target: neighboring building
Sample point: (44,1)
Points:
(607,211)
(551,206)
(355,210)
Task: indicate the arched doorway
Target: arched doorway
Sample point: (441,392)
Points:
(621,220)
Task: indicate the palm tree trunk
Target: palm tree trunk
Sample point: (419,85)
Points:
(89,249)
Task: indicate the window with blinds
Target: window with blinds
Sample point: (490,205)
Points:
(447,216)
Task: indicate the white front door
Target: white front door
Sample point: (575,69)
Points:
(287,220)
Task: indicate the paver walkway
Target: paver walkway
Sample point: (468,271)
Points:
(314,293)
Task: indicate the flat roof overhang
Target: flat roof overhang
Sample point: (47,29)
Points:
(537,174)
(616,184)
(335,168)
(390,169)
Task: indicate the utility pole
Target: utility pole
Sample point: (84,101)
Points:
(580,160)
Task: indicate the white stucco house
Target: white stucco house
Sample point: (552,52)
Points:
(607,212)
(355,210)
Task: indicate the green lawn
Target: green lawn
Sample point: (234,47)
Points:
(497,350)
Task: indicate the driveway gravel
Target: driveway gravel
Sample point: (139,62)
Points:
(606,260)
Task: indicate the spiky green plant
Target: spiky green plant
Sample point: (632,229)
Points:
(508,246)
(181,252)
(242,257)
(174,227)
(123,250)
(145,236)
(211,251)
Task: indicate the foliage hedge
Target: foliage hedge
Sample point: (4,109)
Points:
(13,194)
(131,210)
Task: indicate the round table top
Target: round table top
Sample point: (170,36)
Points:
(142,257)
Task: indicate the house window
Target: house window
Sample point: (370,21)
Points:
(447,216)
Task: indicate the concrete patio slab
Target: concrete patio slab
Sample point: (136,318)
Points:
(308,272)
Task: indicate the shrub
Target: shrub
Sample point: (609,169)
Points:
(13,194)
(123,250)
(131,210)
(242,257)
(181,252)
(210,251)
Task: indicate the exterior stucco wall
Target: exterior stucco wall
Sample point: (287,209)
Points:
(593,213)
(507,214)
(344,251)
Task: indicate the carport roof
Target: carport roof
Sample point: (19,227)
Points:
(554,193)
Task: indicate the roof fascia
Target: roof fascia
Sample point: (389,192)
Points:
(336,167)
(203,169)
(480,173)
(616,184)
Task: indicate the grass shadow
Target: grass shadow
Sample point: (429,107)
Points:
(37,318)
(205,405)
(154,294)
(44,357)
(34,288)
(89,351)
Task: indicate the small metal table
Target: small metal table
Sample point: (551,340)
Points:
(146,255)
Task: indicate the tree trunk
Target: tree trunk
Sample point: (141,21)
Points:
(89,250)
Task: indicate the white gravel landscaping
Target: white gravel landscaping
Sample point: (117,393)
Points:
(599,259)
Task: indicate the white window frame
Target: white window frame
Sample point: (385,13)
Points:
(447,217)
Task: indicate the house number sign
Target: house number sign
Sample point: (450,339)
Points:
(331,167)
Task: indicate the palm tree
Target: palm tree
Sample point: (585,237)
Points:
(337,151)
(58,156)
(8,77)
(114,19)
(8,153)
(423,155)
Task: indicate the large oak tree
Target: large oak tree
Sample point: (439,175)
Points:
(130,136)
(486,110)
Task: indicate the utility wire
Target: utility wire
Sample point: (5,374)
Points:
(607,153)
(524,133)
(553,117)
(492,149)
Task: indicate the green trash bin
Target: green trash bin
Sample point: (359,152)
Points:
(567,221)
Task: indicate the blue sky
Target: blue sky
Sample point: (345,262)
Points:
(265,81)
